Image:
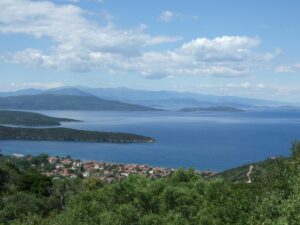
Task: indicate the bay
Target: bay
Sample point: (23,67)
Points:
(202,140)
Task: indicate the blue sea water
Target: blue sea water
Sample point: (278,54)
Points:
(215,141)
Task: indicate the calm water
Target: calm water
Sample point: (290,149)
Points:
(215,141)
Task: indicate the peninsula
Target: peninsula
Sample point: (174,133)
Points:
(67,134)
(19,118)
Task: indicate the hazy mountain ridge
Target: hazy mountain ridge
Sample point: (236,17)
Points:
(170,97)
(66,102)
(212,109)
(161,99)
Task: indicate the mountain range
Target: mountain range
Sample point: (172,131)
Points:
(87,98)
(66,102)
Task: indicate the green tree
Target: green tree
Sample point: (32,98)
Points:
(295,149)
(35,183)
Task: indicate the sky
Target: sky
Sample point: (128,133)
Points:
(244,48)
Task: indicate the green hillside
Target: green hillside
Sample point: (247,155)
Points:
(67,134)
(184,198)
(29,119)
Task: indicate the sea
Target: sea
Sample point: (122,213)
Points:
(201,140)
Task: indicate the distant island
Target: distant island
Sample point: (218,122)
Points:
(67,102)
(212,109)
(67,134)
(19,118)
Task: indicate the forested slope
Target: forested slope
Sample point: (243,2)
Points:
(184,198)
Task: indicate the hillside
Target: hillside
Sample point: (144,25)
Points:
(67,134)
(260,169)
(183,197)
(66,102)
(30,119)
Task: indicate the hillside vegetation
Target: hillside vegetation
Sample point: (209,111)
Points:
(67,134)
(30,119)
(184,198)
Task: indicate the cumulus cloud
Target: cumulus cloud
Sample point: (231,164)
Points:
(82,45)
(222,56)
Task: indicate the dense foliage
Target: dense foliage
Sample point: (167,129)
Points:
(29,119)
(184,198)
(67,134)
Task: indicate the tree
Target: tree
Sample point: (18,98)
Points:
(296,149)
(4,178)
(35,183)
(20,205)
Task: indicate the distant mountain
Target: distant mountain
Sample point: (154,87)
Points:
(158,99)
(212,109)
(172,99)
(67,91)
(66,102)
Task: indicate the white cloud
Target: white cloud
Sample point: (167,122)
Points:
(68,27)
(260,85)
(291,68)
(245,85)
(223,56)
(82,45)
(168,16)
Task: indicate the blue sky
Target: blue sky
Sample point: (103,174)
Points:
(244,48)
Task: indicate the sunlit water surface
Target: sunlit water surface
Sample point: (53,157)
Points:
(215,141)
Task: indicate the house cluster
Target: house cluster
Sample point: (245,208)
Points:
(107,172)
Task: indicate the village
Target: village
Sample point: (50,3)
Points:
(107,172)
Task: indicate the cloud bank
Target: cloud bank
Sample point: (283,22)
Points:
(81,45)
